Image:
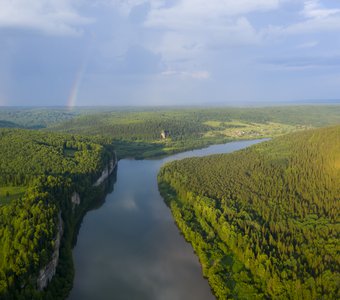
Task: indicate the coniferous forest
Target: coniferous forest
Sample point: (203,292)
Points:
(264,221)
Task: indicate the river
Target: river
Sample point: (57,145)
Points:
(130,248)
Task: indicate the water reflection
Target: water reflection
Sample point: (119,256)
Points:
(131,249)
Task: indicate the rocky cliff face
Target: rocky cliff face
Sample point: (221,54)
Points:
(106,172)
(46,274)
(75,199)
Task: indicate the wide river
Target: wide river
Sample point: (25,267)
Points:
(130,248)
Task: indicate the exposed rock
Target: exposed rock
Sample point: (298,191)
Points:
(106,172)
(165,134)
(75,199)
(46,274)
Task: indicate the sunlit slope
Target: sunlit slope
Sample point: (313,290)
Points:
(39,174)
(264,221)
(28,153)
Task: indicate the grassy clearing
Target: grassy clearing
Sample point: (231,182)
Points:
(8,193)
(69,152)
(238,129)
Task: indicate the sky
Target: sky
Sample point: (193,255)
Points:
(168,52)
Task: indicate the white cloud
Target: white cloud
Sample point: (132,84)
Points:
(192,28)
(126,6)
(313,9)
(190,13)
(316,19)
(190,45)
(56,17)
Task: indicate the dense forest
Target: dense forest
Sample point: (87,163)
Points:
(33,118)
(264,221)
(49,154)
(40,172)
(137,132)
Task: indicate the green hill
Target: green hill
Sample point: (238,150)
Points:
(264,221)
(34,117)
(39,174)
(27,153)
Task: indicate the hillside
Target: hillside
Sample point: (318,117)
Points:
(26,153)
(33,118)
(136,132)
(45,187)
(264,221)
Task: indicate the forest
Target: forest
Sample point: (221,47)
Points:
(136,132)
(39,173)
(49,154)
(33,118)
(263,221)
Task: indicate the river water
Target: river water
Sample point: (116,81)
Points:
(130,248)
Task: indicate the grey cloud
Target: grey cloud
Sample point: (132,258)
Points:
(139,60)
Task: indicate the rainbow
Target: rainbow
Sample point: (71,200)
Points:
(72,99)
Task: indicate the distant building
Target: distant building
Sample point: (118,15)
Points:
(164,134)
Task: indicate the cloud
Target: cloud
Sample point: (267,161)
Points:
(174,50)
(125,6)
(191,30)
(313,9)
(316,19)
(195,23)
(205,23)
(188,14)
(138,60)
(52,17)
(186,74)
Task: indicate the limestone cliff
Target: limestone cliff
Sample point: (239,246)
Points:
(106,172)
(75,199)
(46,274)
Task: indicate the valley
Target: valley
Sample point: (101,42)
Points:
(248,215)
